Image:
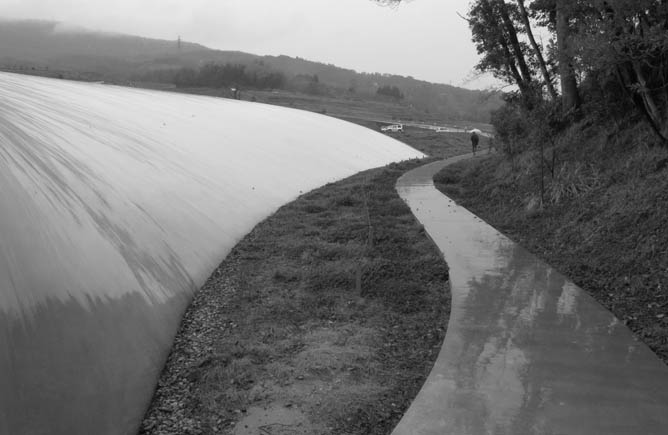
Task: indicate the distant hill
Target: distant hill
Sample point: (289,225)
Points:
(49,41)
(81,53)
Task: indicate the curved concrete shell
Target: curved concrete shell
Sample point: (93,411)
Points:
(115,205)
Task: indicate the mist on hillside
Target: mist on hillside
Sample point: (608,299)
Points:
(74,52)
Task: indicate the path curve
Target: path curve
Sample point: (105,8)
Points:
(526,350)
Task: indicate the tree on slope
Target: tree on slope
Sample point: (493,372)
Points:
(538,52)
(498,28)
(595,41)
(556,16)
(495,35)
(629,39)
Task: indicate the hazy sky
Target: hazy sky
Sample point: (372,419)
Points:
(422,38)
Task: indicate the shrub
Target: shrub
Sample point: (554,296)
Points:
(572,180)
(511,127)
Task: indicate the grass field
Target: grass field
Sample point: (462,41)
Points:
(371,112)
(439,145)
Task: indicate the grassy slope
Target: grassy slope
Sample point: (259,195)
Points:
(603,224)
(284,326)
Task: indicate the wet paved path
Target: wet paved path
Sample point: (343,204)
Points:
(526,351)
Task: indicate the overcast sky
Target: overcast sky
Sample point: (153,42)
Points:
(421,38)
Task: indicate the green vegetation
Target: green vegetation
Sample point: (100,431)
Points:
(390,91)
(217,76)
(602,52)
(610,58)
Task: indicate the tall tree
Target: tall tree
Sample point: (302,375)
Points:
(537,50)
(495,34)
(556,16)
(511,35)
(630,38)
(494,31)
(569,85)
(496,26)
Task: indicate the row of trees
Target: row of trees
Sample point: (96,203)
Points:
(600,49)
(613,51)
(217,76)
(390,91)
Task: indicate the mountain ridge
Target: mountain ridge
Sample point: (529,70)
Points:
(121,58)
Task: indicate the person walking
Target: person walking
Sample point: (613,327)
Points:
(474,141)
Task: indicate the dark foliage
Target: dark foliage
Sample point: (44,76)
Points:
(217,76)
(390,91)
(616,53)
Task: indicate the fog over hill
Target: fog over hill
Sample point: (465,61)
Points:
(79,53)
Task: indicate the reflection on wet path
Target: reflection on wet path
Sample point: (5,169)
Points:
(526,351)
(115,206)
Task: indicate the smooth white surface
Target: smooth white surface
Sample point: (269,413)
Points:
(115,205)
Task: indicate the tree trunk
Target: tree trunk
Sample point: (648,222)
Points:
(525,89)
(537,50)
(510,64)
(653,112)
(513,58)
(514,42)
(569,86)
(625,78)
(542,175)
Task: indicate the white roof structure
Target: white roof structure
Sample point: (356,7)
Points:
(115,205)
